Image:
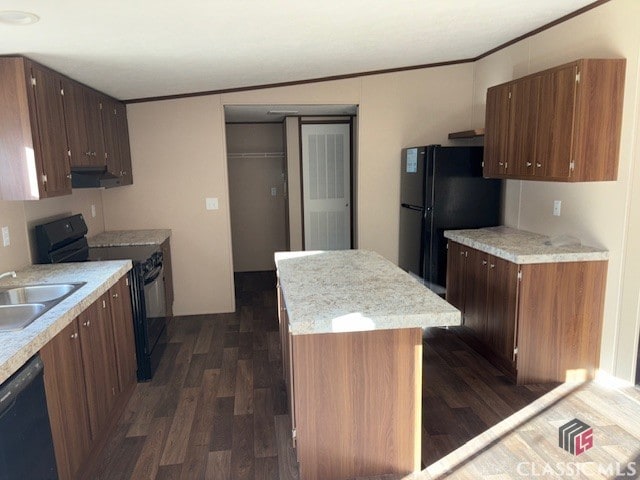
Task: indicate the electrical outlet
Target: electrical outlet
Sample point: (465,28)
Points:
(557,205)
(6,240)
(274,191)
(211,203)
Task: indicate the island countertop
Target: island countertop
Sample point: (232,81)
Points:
(18,346)
(355,290)
(522,247)
(127,238)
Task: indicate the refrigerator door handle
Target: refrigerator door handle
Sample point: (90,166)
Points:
(411,207)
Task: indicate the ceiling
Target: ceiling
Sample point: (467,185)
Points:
(147,48)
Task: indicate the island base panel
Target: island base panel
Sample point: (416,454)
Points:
(358,403)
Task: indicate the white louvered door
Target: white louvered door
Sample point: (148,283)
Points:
(326,180)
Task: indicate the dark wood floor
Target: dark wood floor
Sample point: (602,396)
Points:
(216,408)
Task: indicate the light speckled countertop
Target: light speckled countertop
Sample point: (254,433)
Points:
(355,290)
(126,238)
(522,247)
(17,347)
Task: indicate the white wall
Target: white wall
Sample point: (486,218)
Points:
(600,213)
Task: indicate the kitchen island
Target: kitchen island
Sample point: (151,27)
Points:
(351,330)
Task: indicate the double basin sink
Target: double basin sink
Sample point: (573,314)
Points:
(21,305)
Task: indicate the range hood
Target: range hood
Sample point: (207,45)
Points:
(93,178)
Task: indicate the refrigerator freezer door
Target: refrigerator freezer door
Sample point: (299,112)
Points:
(461,199)
(411,242)
(412,177)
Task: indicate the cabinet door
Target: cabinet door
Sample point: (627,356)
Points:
(124,340)
(555,123)
(496,131)
(502,305)
(523,126)
(475,291)
(124,149)
(66,400)
(98,356)
(52,136)
(456,260)
(82,119)
(110,131)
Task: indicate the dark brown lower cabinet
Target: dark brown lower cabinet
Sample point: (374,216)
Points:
(89,375)
(539,322)
(99,360)
(123,333)
(67,400)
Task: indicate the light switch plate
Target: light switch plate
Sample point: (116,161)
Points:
(212,203)
(557,205)
(93,211)
(6,240)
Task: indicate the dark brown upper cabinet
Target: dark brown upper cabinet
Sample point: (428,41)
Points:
(33,152)
(52,127)
(116,140)
(84,125)
(561,124)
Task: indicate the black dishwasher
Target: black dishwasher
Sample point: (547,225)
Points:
(26,447)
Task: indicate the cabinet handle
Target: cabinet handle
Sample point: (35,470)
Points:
(88,154)
(87,323)
(74,335)
(462,253)
(529,164)
(538,165)
(68,175)
(492,265)
(115,295)
(501,163)
(484,262)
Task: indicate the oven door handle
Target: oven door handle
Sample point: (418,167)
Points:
(152,275)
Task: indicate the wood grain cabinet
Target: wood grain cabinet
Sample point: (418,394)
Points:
(562,124)
(83,125)
(33,152)
(98,358)
(539,322)
(496,130)
(287,362)
(51,124)
(64,381)
(89,376)
(116,139)
(124,341)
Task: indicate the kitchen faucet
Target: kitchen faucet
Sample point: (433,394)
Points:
(6,274)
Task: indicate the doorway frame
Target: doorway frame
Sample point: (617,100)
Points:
(352,185)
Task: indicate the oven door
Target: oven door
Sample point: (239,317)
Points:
(155,304)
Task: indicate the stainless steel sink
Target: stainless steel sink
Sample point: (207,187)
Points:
(20,305)
(16,317)
(36,293)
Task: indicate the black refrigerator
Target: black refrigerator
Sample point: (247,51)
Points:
(441,188)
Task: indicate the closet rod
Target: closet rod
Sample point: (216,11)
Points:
(256,155)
